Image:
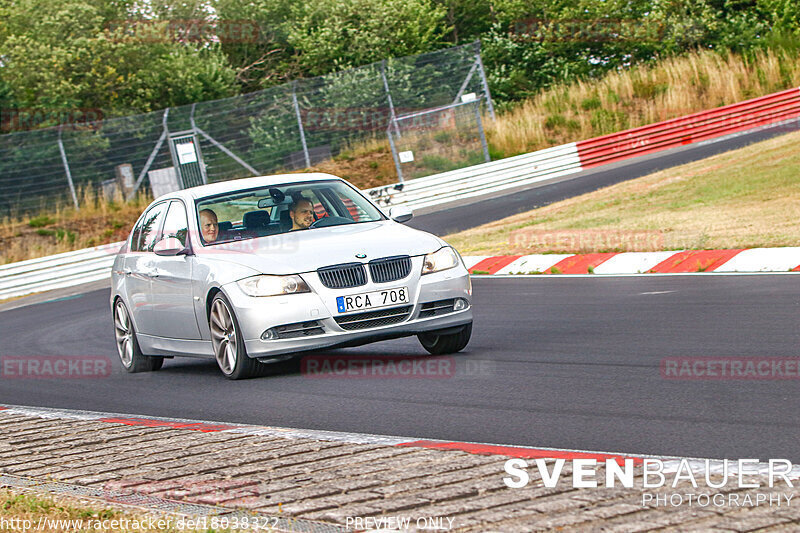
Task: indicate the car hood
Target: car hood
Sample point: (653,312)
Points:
(308,250)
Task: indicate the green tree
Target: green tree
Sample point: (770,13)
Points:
(84,54)
(334,34)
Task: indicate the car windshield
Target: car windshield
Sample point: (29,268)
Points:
(276,209)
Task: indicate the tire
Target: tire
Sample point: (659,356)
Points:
(130,354)
(228,343)
(438,344)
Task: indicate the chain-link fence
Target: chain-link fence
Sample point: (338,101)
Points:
(437,140)
(286,127)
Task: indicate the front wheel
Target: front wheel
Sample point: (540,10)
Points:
(130,354)
(228,343)
(444,343)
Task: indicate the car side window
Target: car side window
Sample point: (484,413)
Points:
(176,224)
(151,223)
(136,234)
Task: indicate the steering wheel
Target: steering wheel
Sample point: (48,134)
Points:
(330,221)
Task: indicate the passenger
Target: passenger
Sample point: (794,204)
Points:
(209,227)
(302,213)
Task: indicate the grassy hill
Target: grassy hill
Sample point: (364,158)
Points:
(745,198)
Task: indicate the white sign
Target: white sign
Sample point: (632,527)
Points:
(406,157)
(186,153)
(469,97)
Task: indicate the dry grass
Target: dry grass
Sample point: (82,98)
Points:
(61,228)
(741,199)
(670,88)
(27,512)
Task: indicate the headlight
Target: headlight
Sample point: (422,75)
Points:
(273,285)
(442,259)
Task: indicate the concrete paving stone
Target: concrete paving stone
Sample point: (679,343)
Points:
(301,507)
(92,479)
(216,452)
(319,472)
(440,480)
(25,425)
(191,456)
(306,492)
(92,438)
(603,494)
(38,433)
(558,504)
(336,515)
(186,489)
(50,426)
(679,518)
(792,511)
(11,418)
(19,469)
(301,458)
(85,434)
(390,506)
(743,522)
(351,497)
(480,502)
(367,461)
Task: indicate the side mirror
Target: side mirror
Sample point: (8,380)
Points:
(400,213)
(169,246)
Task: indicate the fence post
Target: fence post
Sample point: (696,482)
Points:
(153,154)
(300,124)
(66,168)
(483,79)
(392,114)
(485,146)
(394,152)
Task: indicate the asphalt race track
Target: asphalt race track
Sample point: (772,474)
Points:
(553,362)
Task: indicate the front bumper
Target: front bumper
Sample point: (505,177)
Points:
(257,315)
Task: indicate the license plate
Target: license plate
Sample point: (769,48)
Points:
(372,300)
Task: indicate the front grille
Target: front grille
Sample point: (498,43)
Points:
(389,268)
(373,319)
(437,308)
(343,276)
(298,329)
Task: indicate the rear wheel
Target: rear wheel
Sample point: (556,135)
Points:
(130,354)
(228,343)
(443,343)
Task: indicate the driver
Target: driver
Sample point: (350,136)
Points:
(302,213)
(209,228)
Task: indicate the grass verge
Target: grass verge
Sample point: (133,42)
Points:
(21,512)
(745,198)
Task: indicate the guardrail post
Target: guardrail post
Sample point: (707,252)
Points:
(66,168)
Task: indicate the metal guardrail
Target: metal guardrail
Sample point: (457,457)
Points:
(57,271)
(93,264)
(474,181)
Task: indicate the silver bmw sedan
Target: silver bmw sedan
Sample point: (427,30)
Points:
(255,270)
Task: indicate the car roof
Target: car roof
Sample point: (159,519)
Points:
(246,183)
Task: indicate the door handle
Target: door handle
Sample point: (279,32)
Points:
(127,271)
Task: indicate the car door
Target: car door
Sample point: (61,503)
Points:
(171,282)
(139,267)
